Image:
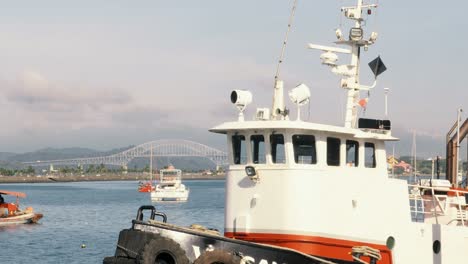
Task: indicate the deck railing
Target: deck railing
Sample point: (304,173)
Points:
(439,198)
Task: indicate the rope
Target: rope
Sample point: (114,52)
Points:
(128,251)
(285,39)
(373,254)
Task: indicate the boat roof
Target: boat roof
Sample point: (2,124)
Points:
(17,194)
(301,125)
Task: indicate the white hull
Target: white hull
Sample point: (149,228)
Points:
(170,194)
(16,220)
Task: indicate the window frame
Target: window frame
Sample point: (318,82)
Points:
(234,152)
(254,149)
(356,153)
(338,148)
(273,151)
(313,157)
(371,145)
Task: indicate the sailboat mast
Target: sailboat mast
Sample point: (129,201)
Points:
(414,155)
(151,164)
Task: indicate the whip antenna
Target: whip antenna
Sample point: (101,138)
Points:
(291,18)
(278,108)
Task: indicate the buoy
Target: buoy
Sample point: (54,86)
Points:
(83,245)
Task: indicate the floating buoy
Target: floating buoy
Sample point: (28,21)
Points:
(83,245)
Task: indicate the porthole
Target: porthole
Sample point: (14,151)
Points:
(390,242)
(436,246)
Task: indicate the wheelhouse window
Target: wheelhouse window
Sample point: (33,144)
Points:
(369,152)
(239,150)
(333,151)
(304,149)
(258,149)
(277,148)
(352,153)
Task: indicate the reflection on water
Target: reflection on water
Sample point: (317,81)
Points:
(93,213)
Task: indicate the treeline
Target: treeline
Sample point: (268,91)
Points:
(425,166)
(12,172)
(89,169)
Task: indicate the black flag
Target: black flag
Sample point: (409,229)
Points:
(377,66)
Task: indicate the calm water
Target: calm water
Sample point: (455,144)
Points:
(93,213)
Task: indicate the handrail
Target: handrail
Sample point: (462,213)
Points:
(463,213)
(438,188)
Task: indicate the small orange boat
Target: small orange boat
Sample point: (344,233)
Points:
(146,186)
(11,214)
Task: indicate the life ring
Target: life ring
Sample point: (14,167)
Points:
(217,257)
(162,250)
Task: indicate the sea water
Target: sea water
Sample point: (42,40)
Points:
(82,220)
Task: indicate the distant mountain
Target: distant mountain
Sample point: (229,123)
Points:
(13,160)
(60,154)
(4,156)
(426,146)
(53,154)
(115,151)
(183,163)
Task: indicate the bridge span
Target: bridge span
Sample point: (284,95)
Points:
(160,148)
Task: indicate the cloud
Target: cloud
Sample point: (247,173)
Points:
(35,92)
(40,104)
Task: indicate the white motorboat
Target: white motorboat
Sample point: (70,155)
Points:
(170,187)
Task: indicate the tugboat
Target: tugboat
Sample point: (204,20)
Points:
(302,192)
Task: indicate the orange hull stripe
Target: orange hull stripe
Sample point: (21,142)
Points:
(314,245)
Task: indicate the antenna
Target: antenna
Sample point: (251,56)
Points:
(386,90)
(350,72)
(151,164)
(278,95)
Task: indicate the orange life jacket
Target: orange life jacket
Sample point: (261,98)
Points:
(12,208)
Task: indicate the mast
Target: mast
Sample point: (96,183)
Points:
(151,164)
(278,108)
(350,72)
(457,164)
(413,150)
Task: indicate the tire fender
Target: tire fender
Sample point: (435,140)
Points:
(164,249)
(217,256)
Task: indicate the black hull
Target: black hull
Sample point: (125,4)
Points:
(193,243)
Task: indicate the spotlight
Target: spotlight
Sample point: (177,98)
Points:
(329,58)
(339,34)
(373,37)
(355,34)
(300,95)
(241,99)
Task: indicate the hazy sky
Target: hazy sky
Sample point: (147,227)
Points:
(106,74)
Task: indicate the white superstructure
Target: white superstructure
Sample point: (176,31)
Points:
(170,187)
(324,190)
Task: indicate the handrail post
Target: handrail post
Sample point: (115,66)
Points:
(462,214)
(434,205)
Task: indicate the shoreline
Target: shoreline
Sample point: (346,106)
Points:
(100,177)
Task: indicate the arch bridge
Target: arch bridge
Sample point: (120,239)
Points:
(160,148)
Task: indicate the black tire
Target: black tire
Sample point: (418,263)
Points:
(217,257)
(162,250)
(118,260)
